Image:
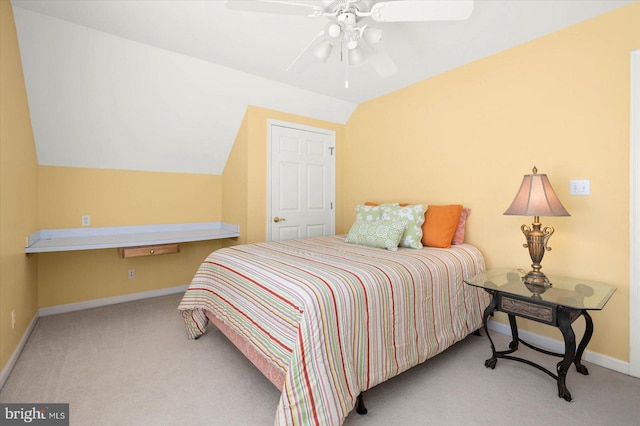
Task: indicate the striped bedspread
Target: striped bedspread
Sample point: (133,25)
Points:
(337,318)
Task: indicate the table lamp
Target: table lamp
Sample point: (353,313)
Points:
(536,198)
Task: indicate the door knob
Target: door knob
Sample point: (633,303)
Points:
(278,219)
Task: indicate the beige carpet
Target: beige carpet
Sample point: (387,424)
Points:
(132,364)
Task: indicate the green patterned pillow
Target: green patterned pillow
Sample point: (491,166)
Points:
(370,213)
(414,215)
(379,234)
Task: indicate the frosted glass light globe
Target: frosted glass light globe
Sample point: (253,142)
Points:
(334,30)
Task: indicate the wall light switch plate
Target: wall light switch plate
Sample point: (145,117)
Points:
(580,187)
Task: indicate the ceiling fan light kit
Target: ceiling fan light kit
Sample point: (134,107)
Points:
(356,57)
(371,35)
(323,51)
(359,42)
(333,30)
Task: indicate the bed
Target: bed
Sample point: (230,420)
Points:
(325,320)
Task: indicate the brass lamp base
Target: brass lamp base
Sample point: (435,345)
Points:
(537,237)
(536,282)
(536,278)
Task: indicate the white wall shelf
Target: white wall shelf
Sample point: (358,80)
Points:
(52,240)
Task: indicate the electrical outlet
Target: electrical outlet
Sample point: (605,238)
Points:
(86,220)
(131,273)
(13,319)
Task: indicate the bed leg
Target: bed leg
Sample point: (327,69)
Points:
(477,333)
(360,408)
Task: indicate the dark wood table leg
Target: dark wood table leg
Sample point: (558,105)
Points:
(491,362)
(588,332)
(514,332)
(564,323)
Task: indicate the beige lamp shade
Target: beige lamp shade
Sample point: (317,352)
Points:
(536,198)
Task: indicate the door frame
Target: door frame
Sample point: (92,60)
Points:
(634,219)
(332,185)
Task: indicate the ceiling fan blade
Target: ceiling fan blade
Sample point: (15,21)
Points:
(421,10)
(379,59)
(275,6)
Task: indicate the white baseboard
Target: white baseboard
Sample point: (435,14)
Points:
(71,307)
(4,374)
(558,346)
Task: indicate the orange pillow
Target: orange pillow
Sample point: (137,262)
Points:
(440,224)
(369,203)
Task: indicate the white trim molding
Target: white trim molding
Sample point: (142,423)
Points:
(72,307)
(634,219)
(4,374)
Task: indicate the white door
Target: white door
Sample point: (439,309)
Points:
(301,183)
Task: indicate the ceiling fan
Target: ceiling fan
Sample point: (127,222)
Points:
(348,28)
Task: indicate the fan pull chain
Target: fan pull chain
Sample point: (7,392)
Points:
(346,70)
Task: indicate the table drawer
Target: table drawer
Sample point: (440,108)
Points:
(148,250)
(523,308)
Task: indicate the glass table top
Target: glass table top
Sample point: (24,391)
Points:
(570,292)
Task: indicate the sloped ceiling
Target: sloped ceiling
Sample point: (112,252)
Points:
(163,85)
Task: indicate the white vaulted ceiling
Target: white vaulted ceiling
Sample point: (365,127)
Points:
(163,85)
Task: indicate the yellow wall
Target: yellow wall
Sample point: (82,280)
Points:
(560,102)
(245,174)
(120,198)
(18,176)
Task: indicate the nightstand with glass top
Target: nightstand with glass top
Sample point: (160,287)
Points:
(558,305)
